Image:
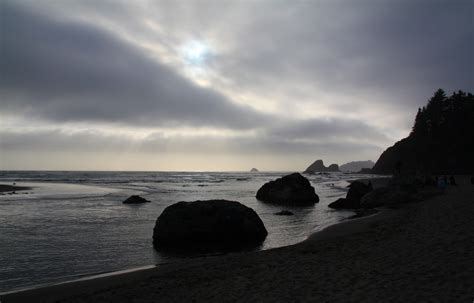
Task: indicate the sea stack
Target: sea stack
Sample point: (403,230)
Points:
(254,170)
(318,166)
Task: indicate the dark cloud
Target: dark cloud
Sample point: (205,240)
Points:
(88,62)
(70,71)
(384,50)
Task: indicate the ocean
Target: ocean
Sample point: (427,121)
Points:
(73,224)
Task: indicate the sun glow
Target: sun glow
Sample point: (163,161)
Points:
(195,53)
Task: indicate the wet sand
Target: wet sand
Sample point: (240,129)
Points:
(12,188)
(417,253)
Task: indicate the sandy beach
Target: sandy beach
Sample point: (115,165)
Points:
(416,253)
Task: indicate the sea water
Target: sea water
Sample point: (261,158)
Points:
(73,224)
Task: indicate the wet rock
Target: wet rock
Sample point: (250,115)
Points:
(284,213)
(135,199)
(293,189)
(208,226)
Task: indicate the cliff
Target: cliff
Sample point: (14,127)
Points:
(441,141)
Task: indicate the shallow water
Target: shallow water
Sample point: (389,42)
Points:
(73,224)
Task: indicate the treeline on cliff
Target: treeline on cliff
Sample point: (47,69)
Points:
(441,141)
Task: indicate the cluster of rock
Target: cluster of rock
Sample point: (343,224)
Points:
(227,225)
(216,225)
(293,189)
(397,191)
(318,167)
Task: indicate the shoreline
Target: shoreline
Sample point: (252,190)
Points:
(378,181)
(342,228)
(362,248)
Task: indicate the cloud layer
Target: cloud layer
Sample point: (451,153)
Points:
(330,79)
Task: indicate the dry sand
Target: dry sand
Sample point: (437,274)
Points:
(422,252)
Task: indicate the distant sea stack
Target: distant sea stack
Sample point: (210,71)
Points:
(254,170)
(318,166)
(356,166)
(441,141)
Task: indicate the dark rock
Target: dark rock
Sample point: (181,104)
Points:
(254,170)
(284,213)
(208,226)
(344,203)
(356,191)
(318,166)
(292,189)
(365,171)
(135,200)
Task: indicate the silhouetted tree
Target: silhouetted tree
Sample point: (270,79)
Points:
(441,140)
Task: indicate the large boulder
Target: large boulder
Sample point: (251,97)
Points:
(356,191)
(208,226)
(292,189)
(344,203)
(135,200)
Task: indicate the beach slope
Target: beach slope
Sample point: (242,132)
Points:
(420,252)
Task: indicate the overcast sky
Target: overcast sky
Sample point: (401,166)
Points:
(221,85)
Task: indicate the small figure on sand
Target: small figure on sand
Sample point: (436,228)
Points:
(452,180)
(441,184)
(398,167)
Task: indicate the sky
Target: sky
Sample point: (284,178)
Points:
(210,85)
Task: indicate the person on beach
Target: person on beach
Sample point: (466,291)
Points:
(398,168)
(441,184)
(452,181)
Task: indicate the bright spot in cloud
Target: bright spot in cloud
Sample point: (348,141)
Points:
(195,53)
